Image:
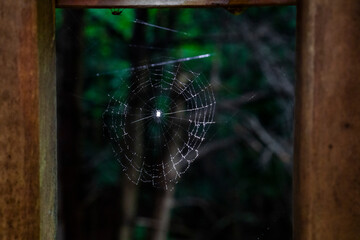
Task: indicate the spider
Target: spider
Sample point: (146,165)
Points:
(116,11)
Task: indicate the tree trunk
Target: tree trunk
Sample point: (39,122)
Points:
(128,189)
(161,214)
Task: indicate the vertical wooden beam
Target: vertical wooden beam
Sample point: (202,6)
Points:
(27,120)
(327,127)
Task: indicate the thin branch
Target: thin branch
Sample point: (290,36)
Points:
(251,97)
(270,141)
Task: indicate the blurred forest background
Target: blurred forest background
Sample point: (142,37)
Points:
(240,186)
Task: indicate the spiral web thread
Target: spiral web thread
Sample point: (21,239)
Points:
(157,120)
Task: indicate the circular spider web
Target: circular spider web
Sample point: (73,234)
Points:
(157,120)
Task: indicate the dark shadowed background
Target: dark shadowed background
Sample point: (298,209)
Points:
(240,185)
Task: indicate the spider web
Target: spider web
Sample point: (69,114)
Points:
(157,120)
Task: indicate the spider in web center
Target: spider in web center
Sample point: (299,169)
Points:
(157,113)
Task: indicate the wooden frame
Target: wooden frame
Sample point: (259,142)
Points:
(327,121)
(168,3)
(327,125)
(27,120)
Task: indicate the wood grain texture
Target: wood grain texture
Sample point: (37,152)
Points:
(47,118)
(327,126)
(27,120)
(167,3)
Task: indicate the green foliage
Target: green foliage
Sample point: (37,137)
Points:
(140,233)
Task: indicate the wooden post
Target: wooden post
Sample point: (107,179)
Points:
(168,3)
(327,127)
(27,120)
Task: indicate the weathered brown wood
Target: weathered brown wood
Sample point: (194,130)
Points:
(167,3)
(27,120)
(327,135)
